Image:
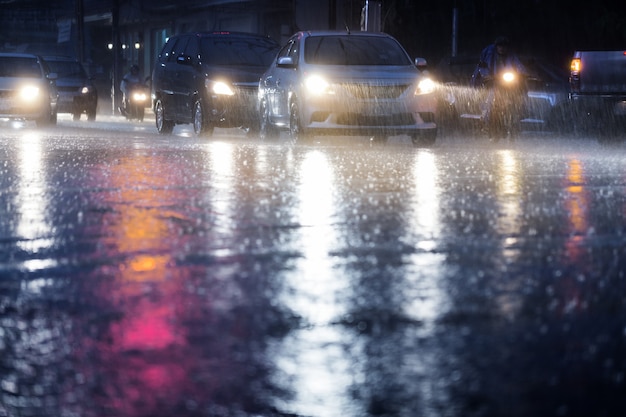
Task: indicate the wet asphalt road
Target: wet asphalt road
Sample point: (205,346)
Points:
(143,275)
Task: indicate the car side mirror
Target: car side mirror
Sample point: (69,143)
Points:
(184,60)
(285,61)
(421,63)
(53,76)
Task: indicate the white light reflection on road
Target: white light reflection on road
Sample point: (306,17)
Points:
(425,288)
(427,304)
(33,227)
(509,189)
(312,358)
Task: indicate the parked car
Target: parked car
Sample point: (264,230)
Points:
(210,79)
(360,83)
(547,99)
(27,89)
(77,93)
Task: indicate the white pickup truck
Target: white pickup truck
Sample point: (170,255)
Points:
(598,91)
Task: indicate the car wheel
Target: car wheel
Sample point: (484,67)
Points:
(76,116)
(297,134)
(200,125)
(267,131)
(140,113)
(47,120)
(91,114)
(163,126)
(425,138)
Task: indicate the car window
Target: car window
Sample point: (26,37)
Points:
(353,50)
(237,51)
(192,50)
(290,50)
(173,48)
(20,67)
(66,68)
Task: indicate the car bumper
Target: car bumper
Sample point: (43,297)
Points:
(237,110)
(68,103)
(14,109)
(370,117)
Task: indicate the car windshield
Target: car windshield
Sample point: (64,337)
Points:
(238,51)
(19,67)
(66,68)
(354,50)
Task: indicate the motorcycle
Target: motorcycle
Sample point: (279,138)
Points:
(134,106)
(505,105)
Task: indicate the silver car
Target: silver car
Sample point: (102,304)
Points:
(27,89)
(361,83)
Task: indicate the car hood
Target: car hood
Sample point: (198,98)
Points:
(10,83)
(71,82)
(367,74)
(236,75)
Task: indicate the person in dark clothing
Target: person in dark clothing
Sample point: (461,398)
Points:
(494,60)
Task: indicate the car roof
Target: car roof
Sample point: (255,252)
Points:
(342,32)
(18,55)
(59,58)
(223,33)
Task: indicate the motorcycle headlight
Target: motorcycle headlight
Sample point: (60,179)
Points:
(222,89)
(139,96)
(29,93)
(508,77)
(316,85)
(425,86)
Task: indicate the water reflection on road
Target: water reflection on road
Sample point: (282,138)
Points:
(226,277)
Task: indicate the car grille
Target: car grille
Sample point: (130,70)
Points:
(356,119)
(7,94)
(368,91)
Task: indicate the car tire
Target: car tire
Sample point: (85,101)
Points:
(201,127)
(267,131)
(297,133)
(91,114)
(76,116)
(163,126)
(50,119)
(425,138)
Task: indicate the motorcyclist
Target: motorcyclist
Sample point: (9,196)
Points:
(132,77)
(495,59)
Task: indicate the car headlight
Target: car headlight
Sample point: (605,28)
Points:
(29,93)
(222,89)
(425,86)
(85,90)
(316,85)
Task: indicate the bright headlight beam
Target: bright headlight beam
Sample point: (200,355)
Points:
(316,84)
(425,86)
(29,93)
(222,89)
(508,76)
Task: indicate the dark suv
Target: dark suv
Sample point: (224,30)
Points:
(77,93)
(210,79)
